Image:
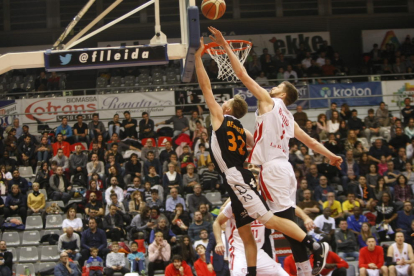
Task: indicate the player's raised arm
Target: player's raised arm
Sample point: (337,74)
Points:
(205,85)
(316,146)
(259,92)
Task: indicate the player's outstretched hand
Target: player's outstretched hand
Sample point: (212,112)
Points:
(336,161)
(309,224)
(220,249)
(217,36)
(200,51)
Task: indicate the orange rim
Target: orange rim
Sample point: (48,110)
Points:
(211,46)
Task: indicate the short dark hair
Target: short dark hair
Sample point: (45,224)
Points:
(144,113)
(155,191)
(371,111)
(95,115)
(59,134)
(134,154)
(79,116)
(292,93)
(127,112)
(114,144)
(177,257)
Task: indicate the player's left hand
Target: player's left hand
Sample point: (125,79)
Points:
(200,51)
(309,224)
(220,249)
(335,161)
(217,36)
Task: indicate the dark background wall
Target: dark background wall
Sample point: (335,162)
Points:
(40,22)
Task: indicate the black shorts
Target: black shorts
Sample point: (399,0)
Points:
(246,202)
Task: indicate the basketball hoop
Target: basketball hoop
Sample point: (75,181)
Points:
(241,49)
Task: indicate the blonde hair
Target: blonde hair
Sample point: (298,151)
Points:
(239,107)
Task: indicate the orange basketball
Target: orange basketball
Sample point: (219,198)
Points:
(213,9)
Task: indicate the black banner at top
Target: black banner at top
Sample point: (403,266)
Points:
(106,58)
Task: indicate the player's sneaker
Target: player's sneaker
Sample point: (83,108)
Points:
(319,258)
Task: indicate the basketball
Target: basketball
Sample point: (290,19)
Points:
(213,9)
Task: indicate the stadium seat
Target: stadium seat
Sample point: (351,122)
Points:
(26,172)
(162,140)
(214,198)
(187,196)
(28,255)
(53,221)
(34,222)
(14,252)
(11,238)
(59,203)
(45,265)
(49,253)
(51,231)
(20,269)
(31,238)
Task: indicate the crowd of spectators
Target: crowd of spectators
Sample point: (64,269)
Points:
(150,189)
(140,188)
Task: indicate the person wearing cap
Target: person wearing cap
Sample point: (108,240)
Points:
(355,123)
(130,126)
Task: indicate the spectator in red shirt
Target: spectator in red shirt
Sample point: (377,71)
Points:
(178,267)
(334,264)
(371,258)
(200,265)
(60,144)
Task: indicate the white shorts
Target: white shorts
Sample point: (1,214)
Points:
(266,266)
(403,270)
(278,184)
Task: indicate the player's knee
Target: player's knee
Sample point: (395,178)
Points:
(384,270)
(362,271)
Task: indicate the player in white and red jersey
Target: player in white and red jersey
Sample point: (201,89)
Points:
(274,127)
(266,265)
(400,257)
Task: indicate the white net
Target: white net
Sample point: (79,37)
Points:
(225,71)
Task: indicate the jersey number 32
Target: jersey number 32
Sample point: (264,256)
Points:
(236,144)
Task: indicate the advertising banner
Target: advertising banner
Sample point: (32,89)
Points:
(53,109)
(354,94)
(155,103)
(287,43)
(8,111)
(399,90)
(195,96)
(252,101)
(106,57)
(384,37)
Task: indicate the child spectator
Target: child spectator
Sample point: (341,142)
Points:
(115,262)
(136,258)
(95,263)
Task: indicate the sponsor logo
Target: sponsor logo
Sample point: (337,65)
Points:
(347,92)
(65,59)
(48,109)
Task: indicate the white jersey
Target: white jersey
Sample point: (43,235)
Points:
(273,131)
(400,255)
(235,241)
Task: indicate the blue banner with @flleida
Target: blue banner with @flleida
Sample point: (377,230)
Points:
(353,94)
